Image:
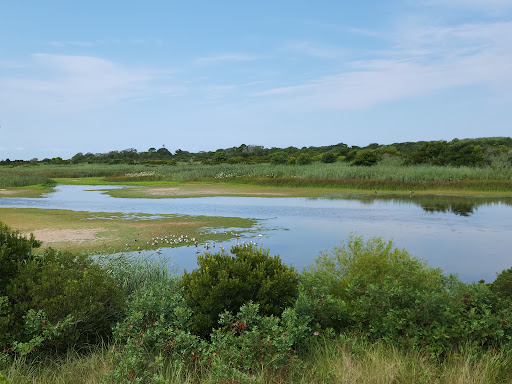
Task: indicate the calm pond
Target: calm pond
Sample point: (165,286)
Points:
(471,237)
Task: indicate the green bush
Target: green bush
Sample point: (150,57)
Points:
(304,159)
(224,283)
(156,326)
(382,292)
(502,286)
(365,157)
(328,157)
(15,251)
(278,158)
(63,284)
(248,343)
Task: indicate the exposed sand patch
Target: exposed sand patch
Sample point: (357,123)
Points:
(174,191)
(63,235)
(6,192)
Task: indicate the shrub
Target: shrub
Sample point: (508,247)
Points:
(224,282)
(62,284)
(365,157)
(328,157)
(380,291)
(304,159)
(502,286)
(278,158)
(156,326)
(15,251)
(248,343)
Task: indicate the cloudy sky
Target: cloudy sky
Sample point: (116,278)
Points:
(95,76)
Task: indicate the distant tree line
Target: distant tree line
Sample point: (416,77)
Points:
(467,152)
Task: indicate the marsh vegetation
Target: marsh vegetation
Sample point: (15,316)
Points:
(362,312)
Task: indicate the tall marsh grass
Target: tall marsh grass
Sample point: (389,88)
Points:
(384,175)
(356,360)
(340,360)
(12,180)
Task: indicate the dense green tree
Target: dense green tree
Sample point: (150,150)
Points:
(328,157)
(365,157)
(278,158)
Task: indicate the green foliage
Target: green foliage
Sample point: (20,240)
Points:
(156,326)
(15,251)
(224,282)
(365,157)
(63,284)
(502,288)
(328,157)
(278,158)
(382,292)
(249,343)
(40,332)
(304,159)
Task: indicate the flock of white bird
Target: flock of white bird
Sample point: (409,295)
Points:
(184,239)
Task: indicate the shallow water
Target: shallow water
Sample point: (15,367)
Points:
(471,237)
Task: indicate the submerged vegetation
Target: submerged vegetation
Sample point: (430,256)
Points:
(363,312)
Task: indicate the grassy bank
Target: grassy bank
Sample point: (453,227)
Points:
(385,176)
(339,360)
(87,231)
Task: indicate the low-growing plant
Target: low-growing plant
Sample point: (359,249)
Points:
(224,283)
(155,327)
(253,344)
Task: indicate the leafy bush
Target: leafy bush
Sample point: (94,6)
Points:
(156,326)
(248,343)
(15,251)
(63,284)
(365,157)
(304,159)
(278,158)
(328,157)
(224,282)
(502,286)
(380,291)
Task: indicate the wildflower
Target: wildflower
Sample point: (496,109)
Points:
(316,333)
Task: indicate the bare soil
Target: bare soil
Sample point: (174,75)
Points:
(49,235)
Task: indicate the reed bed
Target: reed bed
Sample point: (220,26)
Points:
(12,180)
(383,176)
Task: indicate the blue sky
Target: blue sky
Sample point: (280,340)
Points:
(96,76)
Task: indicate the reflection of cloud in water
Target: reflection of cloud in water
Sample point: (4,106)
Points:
(469,236)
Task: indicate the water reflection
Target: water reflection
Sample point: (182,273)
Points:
(458,205)
(469,236)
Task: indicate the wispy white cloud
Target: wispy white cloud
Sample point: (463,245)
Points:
(308,48)
(69,43)
(487,6)
(79,82)
(229,57)
(422,61)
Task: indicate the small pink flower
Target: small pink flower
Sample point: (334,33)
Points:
(316,333)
